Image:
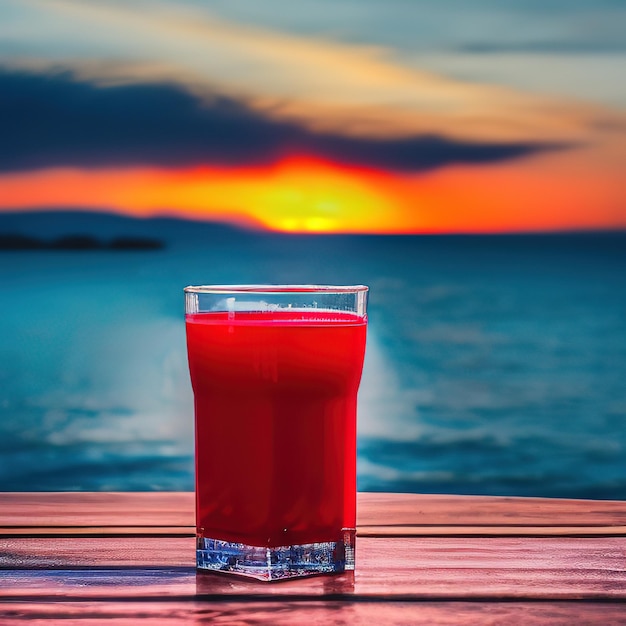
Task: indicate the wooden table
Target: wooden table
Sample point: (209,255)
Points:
(420,560)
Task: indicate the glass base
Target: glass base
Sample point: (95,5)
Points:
(279,563)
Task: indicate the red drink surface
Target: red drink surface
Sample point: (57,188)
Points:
(275,403)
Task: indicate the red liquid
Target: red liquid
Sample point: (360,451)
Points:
(275,402)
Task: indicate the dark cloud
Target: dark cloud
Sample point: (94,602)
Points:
(55,120)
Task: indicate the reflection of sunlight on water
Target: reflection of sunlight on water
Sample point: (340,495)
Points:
(130,387)
(386,410)
(377,472)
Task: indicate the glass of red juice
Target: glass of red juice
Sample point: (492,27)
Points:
(275,371)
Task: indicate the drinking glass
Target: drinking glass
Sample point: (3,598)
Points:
(275,371)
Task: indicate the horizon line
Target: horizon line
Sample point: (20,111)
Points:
(249,226)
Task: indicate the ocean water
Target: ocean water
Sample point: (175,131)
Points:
(495,365)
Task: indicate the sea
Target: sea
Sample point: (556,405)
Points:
(495,364)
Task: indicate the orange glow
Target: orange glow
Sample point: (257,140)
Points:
(296,195)
(301,194)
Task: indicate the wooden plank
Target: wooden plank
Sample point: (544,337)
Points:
(76,509)
(491,531)
(391,569)
(285,613)
(97,531)
(363,531)
(391,509)
(378,514)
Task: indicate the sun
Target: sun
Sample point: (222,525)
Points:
(298,195)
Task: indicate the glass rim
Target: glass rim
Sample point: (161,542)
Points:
(275,289)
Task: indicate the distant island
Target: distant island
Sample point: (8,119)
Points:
(13,241)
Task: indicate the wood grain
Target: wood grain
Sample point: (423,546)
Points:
(379,514)
(85,557)
(390,509)
(335,613)
(58,510)
(503,568)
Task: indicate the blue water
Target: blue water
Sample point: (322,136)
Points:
(494,365)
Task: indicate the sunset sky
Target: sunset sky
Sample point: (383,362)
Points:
(318,116)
